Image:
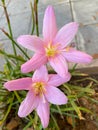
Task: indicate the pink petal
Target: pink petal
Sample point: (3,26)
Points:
(18,84)
(55,96)
(77,56)
(43,112)
(31,42)
(59,64)
(34,63)
(56,80)
(49,25)
(41,74)
(66,34)
(28,105)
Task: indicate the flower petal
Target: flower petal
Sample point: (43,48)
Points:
(18,84)
(28,105)
(55,96)
(31,42)
(66,34)
(56,80)
(43,112)
(77,56)
(34,63)
(59,64)
(41,74)
(49,24)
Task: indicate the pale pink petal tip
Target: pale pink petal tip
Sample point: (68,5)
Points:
(6,85)
(31,42)
(74,25)
(18,84)
(55,96)
(89,59)
(34,63)
(68,77)
(49,24)
(24,69)
(49,6)
(43,112)
(66,34)
(86,60)
(41,74)
(21,39)
(56,80)
(28,104)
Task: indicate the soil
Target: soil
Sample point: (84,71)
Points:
(90,122)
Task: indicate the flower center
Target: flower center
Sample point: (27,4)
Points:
(51,50)
(39,88)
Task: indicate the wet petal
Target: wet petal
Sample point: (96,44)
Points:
(34,63)
(66,34)
(59,64)
(41,74)
(77,56)
(31,42)
(43,112)
(18,84)
(28,105)
(55,96)
(49,24)
(56,80)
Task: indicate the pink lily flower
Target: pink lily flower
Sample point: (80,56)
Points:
(42,90)
(54,47)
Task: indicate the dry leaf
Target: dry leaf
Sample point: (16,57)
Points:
(12,124)
(95,56)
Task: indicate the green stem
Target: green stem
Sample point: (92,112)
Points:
(9,25)
(73,68)
(12,56)
(17,96)
(8,110)
(15,43)
(56,125)
(33,18)
(36,16)
(60,112)
(28,125)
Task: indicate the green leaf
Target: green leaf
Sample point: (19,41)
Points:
(76,108)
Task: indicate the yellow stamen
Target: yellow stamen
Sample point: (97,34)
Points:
(51,50)
(39,88)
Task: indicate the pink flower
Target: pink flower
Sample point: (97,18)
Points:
(54,47)
(42,89)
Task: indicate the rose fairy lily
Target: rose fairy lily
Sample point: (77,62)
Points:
(54,47)
(42,89)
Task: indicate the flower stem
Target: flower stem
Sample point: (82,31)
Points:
(33,18)
(8,110)
(9,25)
(17,96)
(36,16)
(6,33)
(12,56)
(28,125)
(54,120)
